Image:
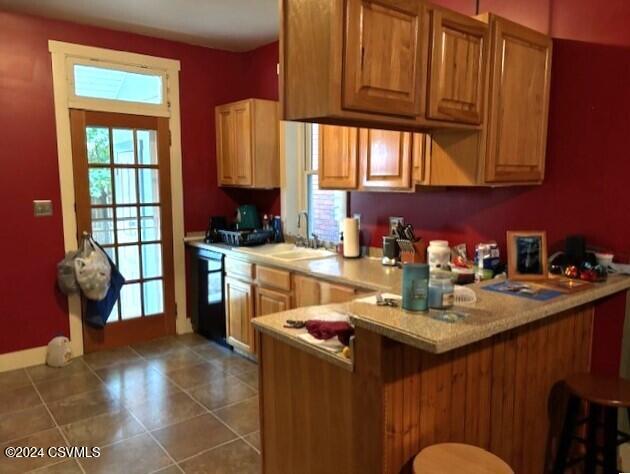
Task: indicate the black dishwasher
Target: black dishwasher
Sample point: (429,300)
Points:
(208,318)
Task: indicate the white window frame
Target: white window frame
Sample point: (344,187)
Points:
(306,171)
(115,105)
(64,55)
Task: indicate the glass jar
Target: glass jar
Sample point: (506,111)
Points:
(415,286)
(441,291)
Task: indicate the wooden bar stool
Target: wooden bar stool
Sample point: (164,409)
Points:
(454,458)
(604,395)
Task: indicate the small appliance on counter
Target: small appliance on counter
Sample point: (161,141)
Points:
(247,217)
(351,244)
(390,251)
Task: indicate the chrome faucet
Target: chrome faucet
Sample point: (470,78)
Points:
(302,241)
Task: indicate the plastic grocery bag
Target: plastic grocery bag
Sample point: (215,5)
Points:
(97,312)
(93,270)
(66,278)
(58,353)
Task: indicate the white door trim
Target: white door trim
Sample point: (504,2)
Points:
(61,53)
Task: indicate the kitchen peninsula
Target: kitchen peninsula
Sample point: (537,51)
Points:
(491,380)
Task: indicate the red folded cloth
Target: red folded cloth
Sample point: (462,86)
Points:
(329,329)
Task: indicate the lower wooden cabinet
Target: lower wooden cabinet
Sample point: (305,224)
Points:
(239,308)
(311,292)
(271,301)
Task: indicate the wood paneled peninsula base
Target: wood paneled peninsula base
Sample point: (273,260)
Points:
(403,391)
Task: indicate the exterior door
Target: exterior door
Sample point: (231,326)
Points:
(384,69)
(122,191)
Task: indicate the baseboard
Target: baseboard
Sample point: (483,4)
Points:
(24,358)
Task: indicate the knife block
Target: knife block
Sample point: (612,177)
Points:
(412,252)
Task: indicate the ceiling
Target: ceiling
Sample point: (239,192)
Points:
(233,25)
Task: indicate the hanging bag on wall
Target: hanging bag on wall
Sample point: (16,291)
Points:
(97,312)
(66,278)
(92,269)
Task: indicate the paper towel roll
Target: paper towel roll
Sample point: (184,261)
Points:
(351,247)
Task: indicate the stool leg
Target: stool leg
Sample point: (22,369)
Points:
(590,463)
(568,428)
(610,441)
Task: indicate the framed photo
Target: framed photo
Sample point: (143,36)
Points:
(527,255)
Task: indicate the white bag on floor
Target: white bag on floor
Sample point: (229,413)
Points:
(58,353)
(93,271)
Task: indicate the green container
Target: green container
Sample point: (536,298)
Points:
(415,287)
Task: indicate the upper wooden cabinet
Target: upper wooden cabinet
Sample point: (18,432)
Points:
(247,138)
(458,67)
(338,157)
(386,161)
(511,147)
(384,64)
(365,63)
(519,102)
(366,159)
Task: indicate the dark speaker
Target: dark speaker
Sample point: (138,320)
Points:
(575,249)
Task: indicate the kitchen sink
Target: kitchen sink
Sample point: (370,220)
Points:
(286,252)
(303,254)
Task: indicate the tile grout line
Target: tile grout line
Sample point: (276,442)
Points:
(138,421)
(208,411)
(63,435)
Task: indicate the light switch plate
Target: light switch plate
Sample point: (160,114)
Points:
(42,208)
(393,222)
(357,216)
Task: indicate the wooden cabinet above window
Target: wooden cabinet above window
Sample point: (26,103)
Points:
(247,138)
(366,63)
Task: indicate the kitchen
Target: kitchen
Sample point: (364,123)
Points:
(439,161)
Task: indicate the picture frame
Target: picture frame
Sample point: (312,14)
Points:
(527,255)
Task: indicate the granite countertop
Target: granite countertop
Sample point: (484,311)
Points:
(366,273)
(492,314)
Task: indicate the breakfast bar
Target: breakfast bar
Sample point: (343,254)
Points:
(491,380)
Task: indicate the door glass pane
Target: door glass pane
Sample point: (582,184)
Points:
(103,225)
(150,223)
(147,147)
(100,180)
(123,146)
(111,252)
(153,297)
(113,316)
(127,224)
(125,182)
(115,84)
(97,145)
(129,262)
(130,302)
(152,260)
(149,186)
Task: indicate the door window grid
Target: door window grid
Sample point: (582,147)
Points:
(141,296)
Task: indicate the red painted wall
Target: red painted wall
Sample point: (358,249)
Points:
(31,309)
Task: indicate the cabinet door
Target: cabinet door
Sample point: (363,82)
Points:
(239,308)
(420,158)
(225,144)
(338,157)
(517,128)
(307,291)
(270,301)
(331,293)
(384,65)
(458,62)
(386,161)
(243,143)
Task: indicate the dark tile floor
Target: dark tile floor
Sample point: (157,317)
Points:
(178,404)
